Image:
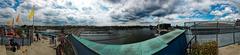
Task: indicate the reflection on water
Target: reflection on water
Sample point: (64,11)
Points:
(119,36)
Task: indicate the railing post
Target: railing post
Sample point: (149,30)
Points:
(234,41)
(1,40)
(190,49)
(184,25)
(217,32)
(22,41)
(195,36)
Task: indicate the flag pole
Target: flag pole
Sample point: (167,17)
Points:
(13,23)
(32,25)
(33,17)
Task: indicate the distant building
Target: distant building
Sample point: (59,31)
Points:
(163,28)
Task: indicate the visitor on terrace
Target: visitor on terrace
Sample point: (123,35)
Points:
(13,45)
(37,36)
(1,32)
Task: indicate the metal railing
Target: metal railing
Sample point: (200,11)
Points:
(23,39)
(4,40)
(223,32)
(66,48)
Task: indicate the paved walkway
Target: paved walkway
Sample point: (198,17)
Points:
(41,48)
(37,48)
(230,50)
(3,50)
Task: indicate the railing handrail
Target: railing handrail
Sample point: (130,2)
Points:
(68,41)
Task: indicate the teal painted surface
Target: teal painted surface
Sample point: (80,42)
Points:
(170,36)
(147,47)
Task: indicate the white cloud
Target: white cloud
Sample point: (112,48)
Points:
(80,10)
(231,17)
(217,13)
(228,10)
(220,13)
(6,13)
(100,12)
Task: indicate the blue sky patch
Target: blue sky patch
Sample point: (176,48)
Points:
(207,14)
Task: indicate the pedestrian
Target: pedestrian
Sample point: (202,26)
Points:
(37,35)
(52,39)
(14,45)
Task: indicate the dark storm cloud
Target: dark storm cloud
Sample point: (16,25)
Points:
(46,21)
(58,21)
(114,1)
(55,21)
(10,3)
(80,21)
(72,20)
(150,8)
(161,12)
(51,13)
(6,3)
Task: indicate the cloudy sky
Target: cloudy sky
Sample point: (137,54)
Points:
(119,12)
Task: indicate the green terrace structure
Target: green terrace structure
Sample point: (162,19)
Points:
(171,43)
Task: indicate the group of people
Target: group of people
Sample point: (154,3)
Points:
(13,36)
(12,43)
(37,37)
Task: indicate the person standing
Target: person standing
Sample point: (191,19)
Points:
(53,39)
(1,36)
(1,32)
(14,45)
(37,36)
